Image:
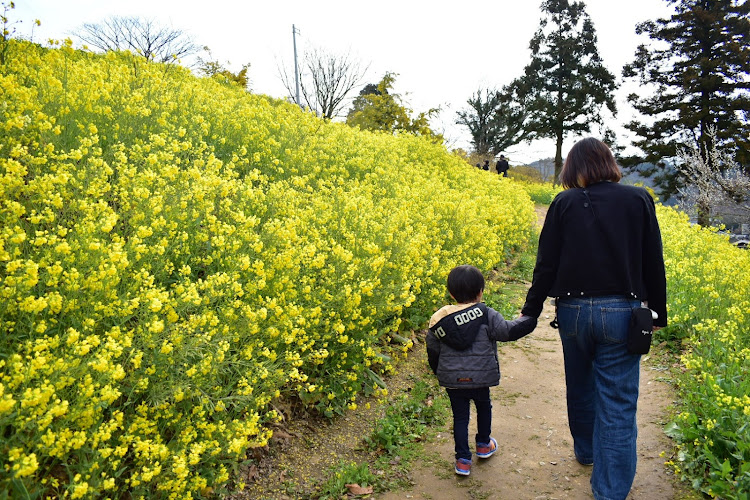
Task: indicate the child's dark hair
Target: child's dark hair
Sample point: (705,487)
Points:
(465,283)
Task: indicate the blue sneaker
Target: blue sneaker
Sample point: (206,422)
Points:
(486,450)
(463,467)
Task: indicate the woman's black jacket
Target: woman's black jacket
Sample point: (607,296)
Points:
(600,240)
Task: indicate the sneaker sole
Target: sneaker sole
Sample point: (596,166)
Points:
(463,472)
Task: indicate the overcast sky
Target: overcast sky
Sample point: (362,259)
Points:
(442,51)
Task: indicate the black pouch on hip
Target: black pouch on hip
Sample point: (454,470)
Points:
(641,330)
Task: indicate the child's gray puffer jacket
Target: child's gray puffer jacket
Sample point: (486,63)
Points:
(462,344)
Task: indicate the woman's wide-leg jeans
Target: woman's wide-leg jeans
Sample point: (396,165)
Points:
(602,389)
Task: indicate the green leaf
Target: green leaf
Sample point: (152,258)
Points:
(673,430)
(375,378)
(20,490)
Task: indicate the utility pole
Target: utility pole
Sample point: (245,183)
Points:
(296,71)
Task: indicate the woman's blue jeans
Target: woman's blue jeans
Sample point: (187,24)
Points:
(461,404)
(602,389)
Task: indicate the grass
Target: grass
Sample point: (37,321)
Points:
(394,442)
(506,291)
(379,449)
(344,474)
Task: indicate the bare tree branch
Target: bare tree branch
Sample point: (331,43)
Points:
(325,82)
(145,37)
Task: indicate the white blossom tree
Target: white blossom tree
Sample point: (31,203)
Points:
(714,179)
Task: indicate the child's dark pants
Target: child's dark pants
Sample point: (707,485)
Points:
(460,403)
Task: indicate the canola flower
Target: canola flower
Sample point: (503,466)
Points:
(176,254)
(709,308)
(542,193)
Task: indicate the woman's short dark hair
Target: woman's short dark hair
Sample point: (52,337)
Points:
(465,283)
(589,161)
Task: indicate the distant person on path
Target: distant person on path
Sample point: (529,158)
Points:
(502,166)
(600,255)
(486,165)
(462,352)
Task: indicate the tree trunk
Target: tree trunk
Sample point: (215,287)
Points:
(703,209)
(558,160)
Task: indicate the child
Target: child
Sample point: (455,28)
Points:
(462,352)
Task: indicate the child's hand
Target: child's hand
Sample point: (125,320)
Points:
(523,328)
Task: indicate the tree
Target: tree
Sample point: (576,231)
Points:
(378,108)
(326,79)
(716,180)
(143,36)
(565,85)
(214,69)
(479,119)
(496,120)
(698,63)
(360,102)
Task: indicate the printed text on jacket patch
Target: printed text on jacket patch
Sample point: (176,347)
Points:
(468,315)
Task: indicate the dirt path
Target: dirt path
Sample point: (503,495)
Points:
(535,460)
(529,421)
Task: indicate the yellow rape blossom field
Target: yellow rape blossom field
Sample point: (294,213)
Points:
(709,313)
(176,254)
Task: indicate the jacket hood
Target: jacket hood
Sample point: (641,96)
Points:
(459,329)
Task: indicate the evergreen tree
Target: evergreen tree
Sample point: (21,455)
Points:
(698,63)
(566,84)
(361,101)
(496,120)
(379,108)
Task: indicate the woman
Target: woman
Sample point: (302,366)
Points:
(600,255)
